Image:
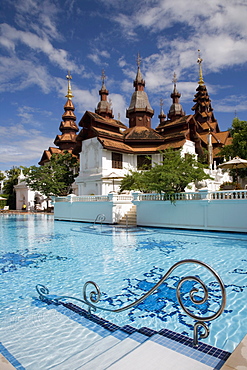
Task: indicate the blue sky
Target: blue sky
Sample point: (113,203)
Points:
(41,39)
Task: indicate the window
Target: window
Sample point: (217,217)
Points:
(143,162)
(117,160)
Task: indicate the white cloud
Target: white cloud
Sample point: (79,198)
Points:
(85,99)
(34,42)
(119,106)
(122,62)
(22,74)
(218,28)
(97,55)
(25,146)
(27,115)
(231,103)
(39,16)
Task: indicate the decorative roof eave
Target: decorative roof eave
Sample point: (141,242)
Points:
(180,121)
(172,145)
(97,118)
(107,134)
(46,156)
(110,145)
(138,133)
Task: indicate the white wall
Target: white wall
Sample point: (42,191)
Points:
(113,207)
(218,215)
(24,195)
(189,147)
(96,172)
(82,211)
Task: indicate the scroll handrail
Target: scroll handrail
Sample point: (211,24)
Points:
(100,217)
(94,297)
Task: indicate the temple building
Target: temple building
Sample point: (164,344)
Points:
(68,128)
(200,128)
(108,149)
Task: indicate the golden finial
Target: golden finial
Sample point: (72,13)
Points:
(69,94)
(199,61)
(138,60)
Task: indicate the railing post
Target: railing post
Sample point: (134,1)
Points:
(112,197)
(135,195)
(204,194)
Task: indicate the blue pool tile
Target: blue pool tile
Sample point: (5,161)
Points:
(202,355)
(147,331)
(10,358)
(128,329)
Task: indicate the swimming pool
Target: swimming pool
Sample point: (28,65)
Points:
(125,264)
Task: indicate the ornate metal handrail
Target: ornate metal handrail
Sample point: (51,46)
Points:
(100,217)
(94,297)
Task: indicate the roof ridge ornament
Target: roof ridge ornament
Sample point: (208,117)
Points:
(103,78)
(69,93)
(199,61)
(174,80)
(138,60)
(161,106)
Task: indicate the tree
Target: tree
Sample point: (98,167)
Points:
(2,176)
(171,176)
(54,177)
(8,186)
(238,147)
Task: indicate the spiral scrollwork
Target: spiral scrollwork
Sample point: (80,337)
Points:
(101,218)
(205,294)
(42,290)
(196,333)
(93,297)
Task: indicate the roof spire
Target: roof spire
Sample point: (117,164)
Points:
(138,60)
(69,93)
(139,83)
(176,110)
(175,80)
(103,78)
(140,111)
(161,106)
(162,115)
(104,107)
(199,61)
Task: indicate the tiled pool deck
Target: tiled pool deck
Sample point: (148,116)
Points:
(130,348)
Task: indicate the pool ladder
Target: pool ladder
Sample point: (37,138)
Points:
(99,218)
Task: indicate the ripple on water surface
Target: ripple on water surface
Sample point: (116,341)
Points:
(62,256)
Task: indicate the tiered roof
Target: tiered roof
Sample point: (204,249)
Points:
(104,107)
(114,135)
(68,127)
(179,127)
(139,137)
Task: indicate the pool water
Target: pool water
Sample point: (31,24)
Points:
(125,264)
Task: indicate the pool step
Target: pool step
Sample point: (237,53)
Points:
(107,357)
(129,218)
(161,353)
(130,348)
(65,338)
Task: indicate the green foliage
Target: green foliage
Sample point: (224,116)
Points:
(238,148)
(239,140)
(2,176)
(55,177)
(171,176)
(8,186)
